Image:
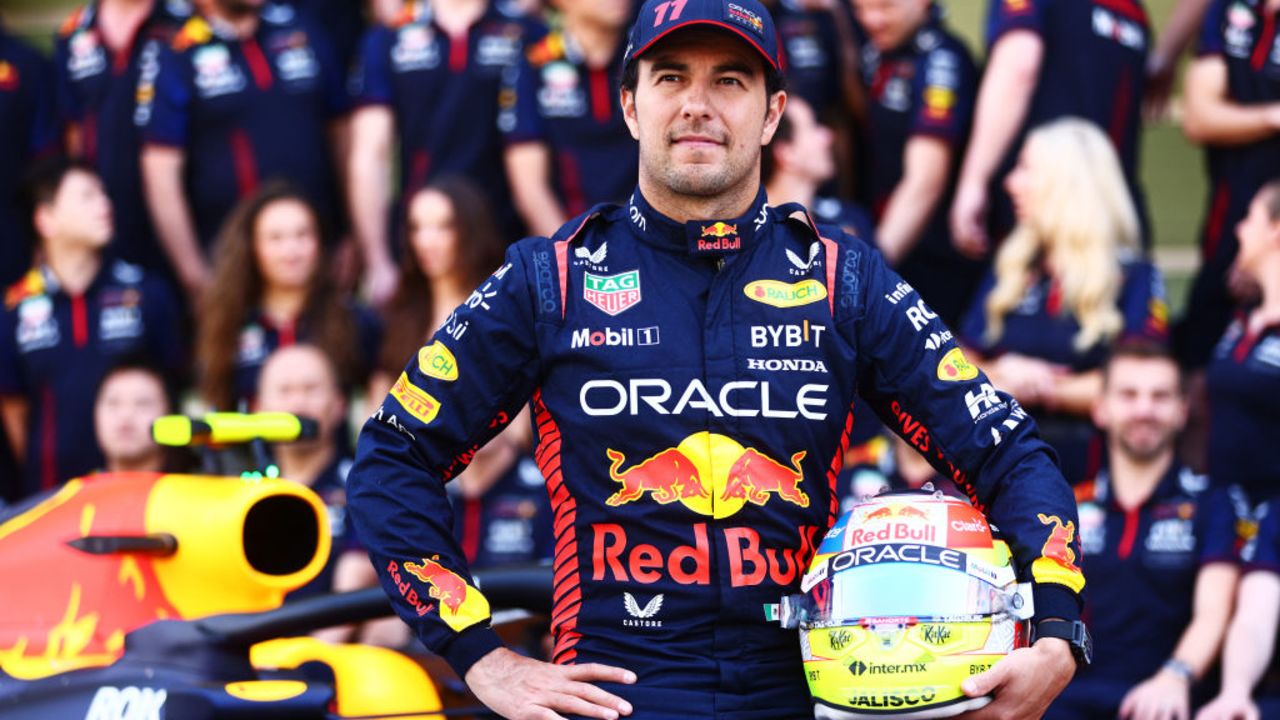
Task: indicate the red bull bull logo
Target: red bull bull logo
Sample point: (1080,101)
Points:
(719,229)
(460,604)
(908,511)
(697,473)
(882,513)
(756,476)
(1057,561)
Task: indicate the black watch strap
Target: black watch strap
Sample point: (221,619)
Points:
(1073,631)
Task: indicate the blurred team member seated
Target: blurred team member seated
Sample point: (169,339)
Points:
(799,161)
(101,52)
(1250,668)
(247,91)
(567,147)
(1232,101)
(920,82)
(130,397)
(272,288)
(429,86)
(1159,542)
(452,246)
(301,379)
(1243,376)
(1067,283)
(66,322)
(1049,59)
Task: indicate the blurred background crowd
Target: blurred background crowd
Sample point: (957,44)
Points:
(256,205)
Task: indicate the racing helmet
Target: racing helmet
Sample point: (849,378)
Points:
(908,595)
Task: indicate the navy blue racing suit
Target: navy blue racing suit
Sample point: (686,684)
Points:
(692,388)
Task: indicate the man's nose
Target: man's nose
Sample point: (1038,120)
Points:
(697,101)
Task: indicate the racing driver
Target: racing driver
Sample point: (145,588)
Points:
(692,359)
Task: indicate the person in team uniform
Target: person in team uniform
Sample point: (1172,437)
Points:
(1067,283)
(1243,375)
(273,288)
(26,131)
(1161,544)
(247,92)
(1232,93)
(920,83)
(799,161)
(66,322)
(567,147)
(431,83)
(1049,59)
(101,53)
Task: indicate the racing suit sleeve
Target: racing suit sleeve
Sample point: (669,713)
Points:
(459,391)
(945,407)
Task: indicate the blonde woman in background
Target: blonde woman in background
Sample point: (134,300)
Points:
(1067,283)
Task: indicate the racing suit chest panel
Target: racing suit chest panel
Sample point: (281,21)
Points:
(698,425)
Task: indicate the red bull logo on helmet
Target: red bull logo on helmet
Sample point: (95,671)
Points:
(461,605)
(1057,561)
(709,473)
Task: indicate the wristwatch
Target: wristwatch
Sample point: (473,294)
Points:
(1074,632)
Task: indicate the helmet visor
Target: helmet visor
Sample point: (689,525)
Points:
(909,589)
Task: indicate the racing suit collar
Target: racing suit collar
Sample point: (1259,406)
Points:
(712,238)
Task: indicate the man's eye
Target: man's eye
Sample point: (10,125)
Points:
(730,81)
(668,78)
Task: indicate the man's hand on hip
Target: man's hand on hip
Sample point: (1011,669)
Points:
(1024,682)
(520,688)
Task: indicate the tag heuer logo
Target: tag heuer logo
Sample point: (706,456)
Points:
(612,293)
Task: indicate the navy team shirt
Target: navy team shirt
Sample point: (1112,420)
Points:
(443,92)
(925,88)
(331,486)
(1142,565)
(510,524)
(1244,402)
(555,98)
(26,130)
(259,337)
(1040,327)
(811,46)
(1243,34)
(1262,553)
(97,92)
(55,348)
(246,111)
(1095,54)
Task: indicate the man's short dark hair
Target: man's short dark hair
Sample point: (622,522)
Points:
(141,364)
(1142,348)
(43,181)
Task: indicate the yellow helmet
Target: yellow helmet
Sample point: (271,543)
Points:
(907,596)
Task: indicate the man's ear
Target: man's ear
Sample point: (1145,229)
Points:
(773,115)
(628,100)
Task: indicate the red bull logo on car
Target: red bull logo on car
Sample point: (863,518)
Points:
(1057,561)
(461,605)
(708,473)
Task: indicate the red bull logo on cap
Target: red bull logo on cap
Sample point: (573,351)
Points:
(708,473)
(1057,561)
(461,605)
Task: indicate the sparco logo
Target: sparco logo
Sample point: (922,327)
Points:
(741,398)
(546,283)
(608,337)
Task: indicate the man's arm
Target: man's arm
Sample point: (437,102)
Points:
(927,164)
(1168,692)
(423,435)
(1004,98)
(167,202)
(1250,641)
(1212,118)
(14,411)
(368,193)
(1163,60)
(981,438)
(529,172)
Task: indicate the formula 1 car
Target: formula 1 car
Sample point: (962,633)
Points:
(147,596)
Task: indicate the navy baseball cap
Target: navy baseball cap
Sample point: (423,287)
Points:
(747,19)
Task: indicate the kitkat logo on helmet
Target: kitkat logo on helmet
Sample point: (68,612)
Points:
(461,605)
(697,474)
